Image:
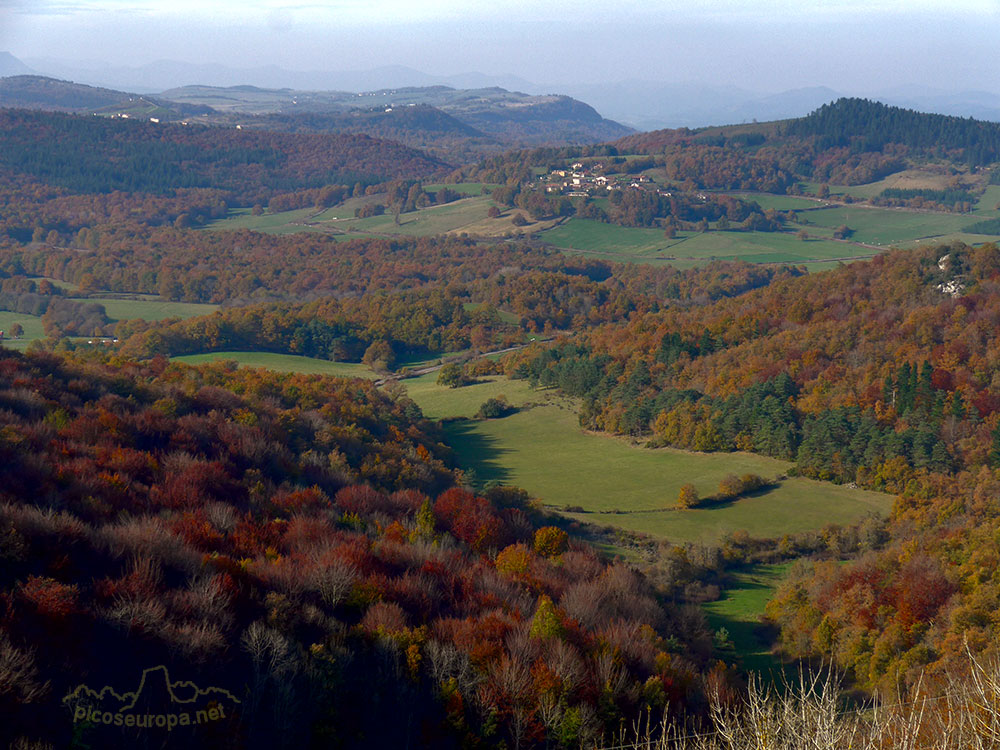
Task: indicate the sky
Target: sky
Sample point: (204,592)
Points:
(762,45)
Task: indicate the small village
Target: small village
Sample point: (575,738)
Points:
(582,181)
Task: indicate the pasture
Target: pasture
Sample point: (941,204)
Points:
(988,205)
(32,325)
(463,188)
(149,307)
(883,226)
(778,202)
(424,222)
(284,222)
(542,449)
(739,611)
(282,363)
(695,248)
(465,215)
(874,228)
(590,236)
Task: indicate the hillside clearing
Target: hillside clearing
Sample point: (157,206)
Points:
(543,450)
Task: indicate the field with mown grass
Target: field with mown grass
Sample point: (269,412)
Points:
(283,363)
(542,449)
(739,610)
(150,308)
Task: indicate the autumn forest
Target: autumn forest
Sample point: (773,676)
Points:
(322,547)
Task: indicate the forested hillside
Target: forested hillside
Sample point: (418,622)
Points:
(881,374)
(288,538)
(871,126)
(847,142)
(300,536)
(98,155)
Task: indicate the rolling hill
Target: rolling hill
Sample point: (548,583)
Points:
(52,95)
(101,155)
(513,118)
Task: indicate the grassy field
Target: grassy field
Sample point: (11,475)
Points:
(464,188)
(986,208)
(543,450)
(468,215)
(874,228)
(438,402)
(506,317)
(150,308)
(779,202)
(740,609)
(31,324)
(764,247)
(588,235)
(694,248)
(968,239)
(930,179)
(429,221)
(284,222)
(884,226)
(68,286)
(283,363)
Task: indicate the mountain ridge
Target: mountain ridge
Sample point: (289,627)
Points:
(636,103)
(461,124)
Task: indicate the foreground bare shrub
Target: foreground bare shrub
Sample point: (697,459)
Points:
(813,714)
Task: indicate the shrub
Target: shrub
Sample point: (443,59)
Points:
(452,376)
(551,541)
(51,598)
(733,486)
(687,497)
(513,560)
(730,487)
(494,408)
(547,622)
(384,618)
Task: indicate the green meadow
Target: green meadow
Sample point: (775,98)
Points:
(506,317)
(428,221)
(282,363)
(284,222)
(468,213)
(988,205)
(883,226)
(739,611)
(463,188)
(779,202)
(874,228)
(32,325)
(591,236)
(150,308)
(542,449)
(694,248)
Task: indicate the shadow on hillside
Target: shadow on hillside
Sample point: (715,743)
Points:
(477,452)
(716,503)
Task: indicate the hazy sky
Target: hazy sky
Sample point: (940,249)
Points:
(767,45)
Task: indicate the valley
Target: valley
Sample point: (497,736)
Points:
(532,424)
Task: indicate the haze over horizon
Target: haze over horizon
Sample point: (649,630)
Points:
(766,47)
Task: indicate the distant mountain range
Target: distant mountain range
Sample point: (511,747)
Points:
(50,94)
(11,66)
(647,105)
(456,125)
(167,74)
(639,104)
(510,117)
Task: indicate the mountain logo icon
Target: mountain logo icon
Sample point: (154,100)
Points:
(157,703)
